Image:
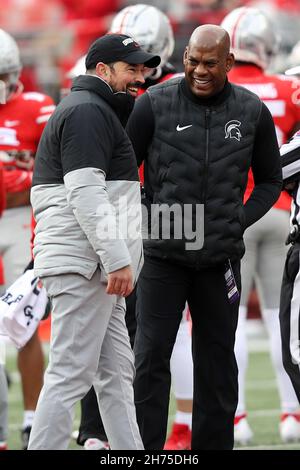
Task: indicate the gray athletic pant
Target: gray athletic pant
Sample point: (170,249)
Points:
(265,257)
(15,237)
(89,346)
(15,249)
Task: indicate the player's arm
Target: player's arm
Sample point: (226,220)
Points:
(266,169)
(140,127)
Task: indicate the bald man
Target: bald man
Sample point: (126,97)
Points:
(198,136)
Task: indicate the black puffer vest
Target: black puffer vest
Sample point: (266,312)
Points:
(201,154)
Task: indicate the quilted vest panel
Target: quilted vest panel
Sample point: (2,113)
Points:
(201,155)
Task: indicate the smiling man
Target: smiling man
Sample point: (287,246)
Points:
(198,137)
(85,166)
(207,61)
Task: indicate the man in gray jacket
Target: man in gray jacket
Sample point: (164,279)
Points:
(88,247)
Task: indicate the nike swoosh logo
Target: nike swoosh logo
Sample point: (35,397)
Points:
(179,129)
(11,123)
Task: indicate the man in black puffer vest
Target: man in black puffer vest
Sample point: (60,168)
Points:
(198,136)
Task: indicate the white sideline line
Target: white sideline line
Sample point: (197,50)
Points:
(287,446)
(264,413)
(258,345)
(261,384)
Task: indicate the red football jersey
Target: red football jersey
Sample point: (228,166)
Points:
(2,190)
(2,205)
(22,120)
(281,97)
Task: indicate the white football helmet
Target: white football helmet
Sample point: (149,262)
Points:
(78,69)
(10,62)
(252,36)
(293,61)
(149,26)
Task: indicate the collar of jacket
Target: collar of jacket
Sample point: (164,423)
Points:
(215,100)
(122,103)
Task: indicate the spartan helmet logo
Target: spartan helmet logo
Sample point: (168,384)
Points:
(232,130)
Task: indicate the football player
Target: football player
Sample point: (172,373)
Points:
(22,120)
(254,44)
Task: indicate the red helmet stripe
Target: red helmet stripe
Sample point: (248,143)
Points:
(123,22)
(233,36)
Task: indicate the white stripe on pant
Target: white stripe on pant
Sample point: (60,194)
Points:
(289,316)
(89,345)
(294,321)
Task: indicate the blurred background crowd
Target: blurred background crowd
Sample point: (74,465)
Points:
(53,34)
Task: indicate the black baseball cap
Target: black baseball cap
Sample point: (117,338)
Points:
(119,47)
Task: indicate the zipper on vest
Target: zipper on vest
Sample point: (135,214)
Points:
(206,160)
(205,170)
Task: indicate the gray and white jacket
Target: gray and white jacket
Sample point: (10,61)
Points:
(86,193)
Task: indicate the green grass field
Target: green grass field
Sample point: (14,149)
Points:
(262,400)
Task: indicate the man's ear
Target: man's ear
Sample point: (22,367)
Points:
(185,56)
(229,62)
(102,70)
